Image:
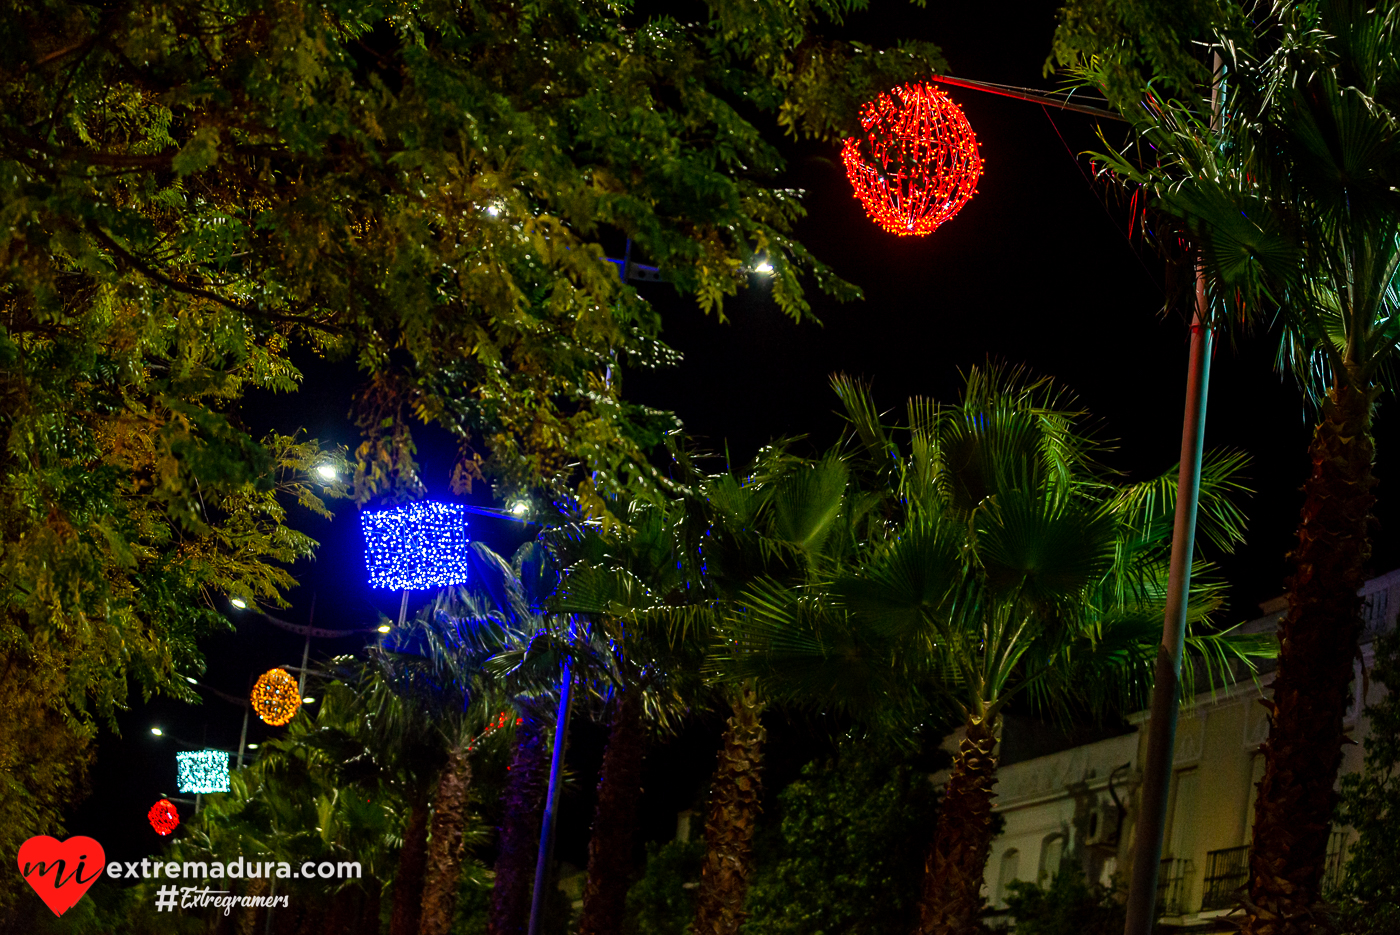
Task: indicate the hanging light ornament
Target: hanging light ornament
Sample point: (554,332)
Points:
(275,697)
(417,545)
(164,817)
(916,163)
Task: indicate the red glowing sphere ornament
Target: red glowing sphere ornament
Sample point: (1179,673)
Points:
(916,163)
(164,817)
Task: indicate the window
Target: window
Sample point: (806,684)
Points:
(1010,866)
(1183,836)
(1052,851)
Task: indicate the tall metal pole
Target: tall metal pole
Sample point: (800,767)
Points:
(243,737)
(1161,731)
(551,804)
(306,650)
(1166,687)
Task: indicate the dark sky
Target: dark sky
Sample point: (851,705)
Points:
(1036,270)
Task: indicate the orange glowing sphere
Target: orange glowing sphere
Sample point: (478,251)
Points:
(275,697)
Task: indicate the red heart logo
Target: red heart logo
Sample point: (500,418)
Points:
(58,870)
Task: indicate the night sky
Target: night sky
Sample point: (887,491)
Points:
(1036,270)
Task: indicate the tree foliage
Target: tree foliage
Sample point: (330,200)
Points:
(850,847)
(1369,900)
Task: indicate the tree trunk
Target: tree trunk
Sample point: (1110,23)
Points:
(615,820)
(1318,641)
(526,783)
(250,918)
(950,901)
(445,845)
(369,922)
(735,799)
(408,882)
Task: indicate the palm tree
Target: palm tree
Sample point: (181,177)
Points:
(438,663)
(631,583)
(786,521)
(1015,569)
(1293,205)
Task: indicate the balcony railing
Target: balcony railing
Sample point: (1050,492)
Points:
(1226,871)
(1173,885)
(1335,869)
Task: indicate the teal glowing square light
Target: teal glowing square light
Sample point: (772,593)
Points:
(202,771)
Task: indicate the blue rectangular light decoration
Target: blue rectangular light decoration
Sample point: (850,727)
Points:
(416,546)
(202,771)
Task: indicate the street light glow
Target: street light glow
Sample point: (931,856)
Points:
(192,680)
(239,602)
(327,472)
(765,268)
(308,700)
(157,731)
(520,507)
(384,629)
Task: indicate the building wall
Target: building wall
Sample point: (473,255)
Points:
(1061,808)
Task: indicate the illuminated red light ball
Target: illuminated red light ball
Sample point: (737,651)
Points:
(164,817)
(916,163)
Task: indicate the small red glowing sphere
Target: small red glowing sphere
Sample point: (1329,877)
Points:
(164,817)
(916,163)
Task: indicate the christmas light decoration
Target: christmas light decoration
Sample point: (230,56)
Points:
(416,546)
(275,697)
(202,771)
(164,817)
(917,162)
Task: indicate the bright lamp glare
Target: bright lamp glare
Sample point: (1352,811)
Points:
(238,602)
(327,471)
(308,700)
(765,268)
(384,629)
(157,731)
(520,507)
(191,680)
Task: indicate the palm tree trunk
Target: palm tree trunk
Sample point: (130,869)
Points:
(526,782)
(1318,641)
(735,800)
(445,845)
(615,820)
(951,898)
(408,881)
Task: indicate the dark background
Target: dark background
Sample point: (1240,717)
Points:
(1037,269)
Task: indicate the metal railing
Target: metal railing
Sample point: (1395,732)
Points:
(1173,885)
(1226,871)
(1335,869)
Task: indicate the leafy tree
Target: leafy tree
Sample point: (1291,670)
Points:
(1290,201)
(1017,570)
(1070,905)
(1369,899)
(662,902)
(851,845)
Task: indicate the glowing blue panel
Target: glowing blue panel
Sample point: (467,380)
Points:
(202,771)
(419,545)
